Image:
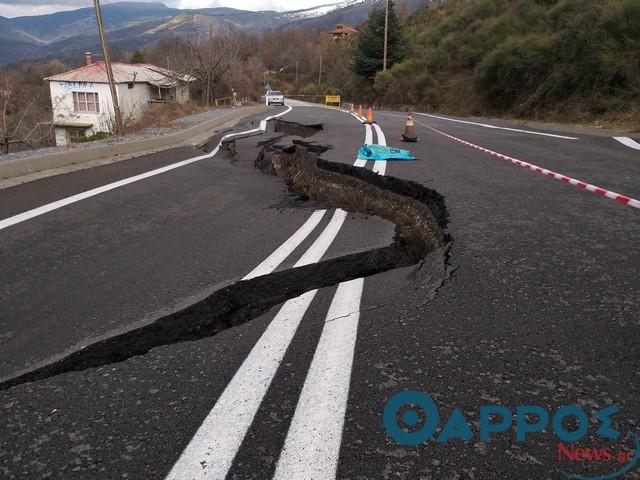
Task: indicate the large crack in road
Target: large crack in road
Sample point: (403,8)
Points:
(419,213)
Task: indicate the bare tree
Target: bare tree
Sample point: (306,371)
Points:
(19,118)
(211,62)
(169,52)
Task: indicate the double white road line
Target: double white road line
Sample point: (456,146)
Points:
(312,445)
(379,166)
(313,442)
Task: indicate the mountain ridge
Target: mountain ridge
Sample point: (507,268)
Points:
(69,33)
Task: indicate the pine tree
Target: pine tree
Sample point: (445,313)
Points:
(137,57)
(369,53)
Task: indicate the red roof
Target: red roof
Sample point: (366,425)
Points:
(342,29)
(122,73)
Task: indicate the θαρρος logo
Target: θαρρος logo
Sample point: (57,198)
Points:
(412,418)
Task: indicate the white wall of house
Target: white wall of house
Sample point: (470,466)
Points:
(182,93)
(134,102)
(64,111)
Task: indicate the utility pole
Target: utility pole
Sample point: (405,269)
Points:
(386,36)
(320,73)
(107,64)
(297,75)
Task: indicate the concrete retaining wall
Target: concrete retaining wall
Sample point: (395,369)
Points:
(24,166)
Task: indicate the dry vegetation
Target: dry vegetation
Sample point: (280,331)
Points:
(25,106)
(163,114)
(558,60)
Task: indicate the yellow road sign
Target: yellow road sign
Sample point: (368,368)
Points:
(332,99)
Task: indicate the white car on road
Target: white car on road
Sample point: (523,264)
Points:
(275,97)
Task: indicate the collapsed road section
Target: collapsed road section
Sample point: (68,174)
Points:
(419,214)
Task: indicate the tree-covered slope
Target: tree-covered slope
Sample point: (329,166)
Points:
(571,59)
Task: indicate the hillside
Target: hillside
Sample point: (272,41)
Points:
(135,25)
(567,59)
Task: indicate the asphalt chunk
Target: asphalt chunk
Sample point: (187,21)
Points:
(296,129)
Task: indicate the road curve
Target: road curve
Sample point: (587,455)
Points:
(533,301)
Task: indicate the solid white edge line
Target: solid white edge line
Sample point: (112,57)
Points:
(628,142)
(357,117)
(380,166)
(283,251)
(485,125)
(210,453)
(312,446)
(625,199)
(22,217)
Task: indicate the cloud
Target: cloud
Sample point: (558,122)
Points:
(21,10)
(8,8)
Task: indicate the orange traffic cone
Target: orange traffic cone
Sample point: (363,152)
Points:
(360,111)
(369,116)
(409,134)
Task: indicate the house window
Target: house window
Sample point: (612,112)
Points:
(76,134)
(86,102)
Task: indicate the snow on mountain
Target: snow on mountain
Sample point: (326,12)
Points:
(319,10)
(137,24)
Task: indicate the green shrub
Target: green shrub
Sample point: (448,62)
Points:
(521,57)
(92,138)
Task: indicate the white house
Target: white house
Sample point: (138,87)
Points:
(81,98)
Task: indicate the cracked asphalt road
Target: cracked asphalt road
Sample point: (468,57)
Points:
(535,301)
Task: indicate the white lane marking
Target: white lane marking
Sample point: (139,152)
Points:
(495,127)
(368,139)
(21,217)
(312,447)
(283,251)
(558,176)
(323,242)
(628,142)
(210,453)
(368,136)
(360,162)
(380,166)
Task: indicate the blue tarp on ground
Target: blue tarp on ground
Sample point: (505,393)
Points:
(382,152)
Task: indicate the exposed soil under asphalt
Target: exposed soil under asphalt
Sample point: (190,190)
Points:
(419,213)
(296,129)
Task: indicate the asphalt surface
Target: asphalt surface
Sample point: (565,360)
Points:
(534,301)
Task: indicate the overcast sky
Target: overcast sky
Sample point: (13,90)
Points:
(8,8)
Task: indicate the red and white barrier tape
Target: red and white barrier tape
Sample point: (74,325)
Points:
(578,183)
